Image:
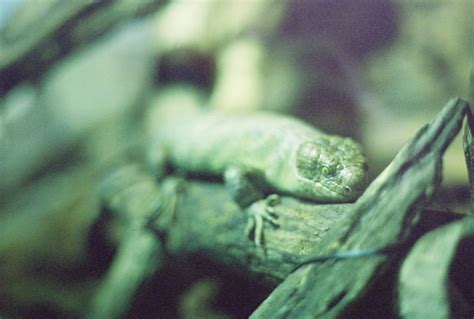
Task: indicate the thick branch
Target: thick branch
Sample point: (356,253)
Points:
(208,221)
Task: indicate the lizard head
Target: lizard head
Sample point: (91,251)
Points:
(330,169)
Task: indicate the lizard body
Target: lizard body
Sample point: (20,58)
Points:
(292,156)
(286,154)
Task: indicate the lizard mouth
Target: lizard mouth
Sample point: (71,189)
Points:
(348,184)
(347,191)
(340,192)
(330,191)
(319,192)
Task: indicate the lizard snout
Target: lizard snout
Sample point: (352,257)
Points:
(356,187)
(354,183)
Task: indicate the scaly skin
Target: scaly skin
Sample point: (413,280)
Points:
(294,157)
(291,156)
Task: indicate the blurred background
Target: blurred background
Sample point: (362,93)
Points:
(76,81)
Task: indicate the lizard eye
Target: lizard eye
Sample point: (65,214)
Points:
(329,170)
(325,170)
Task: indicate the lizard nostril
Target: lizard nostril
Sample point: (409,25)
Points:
(347,189)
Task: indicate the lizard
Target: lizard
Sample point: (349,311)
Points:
(256,151)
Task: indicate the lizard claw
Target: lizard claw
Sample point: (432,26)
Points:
(270,212)
(273,200)
(259,212)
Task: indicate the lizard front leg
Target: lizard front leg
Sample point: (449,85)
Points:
(157,162)
(245,187)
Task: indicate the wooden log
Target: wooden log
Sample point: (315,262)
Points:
(208,221)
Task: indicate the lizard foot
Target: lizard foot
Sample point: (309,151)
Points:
(259,212)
